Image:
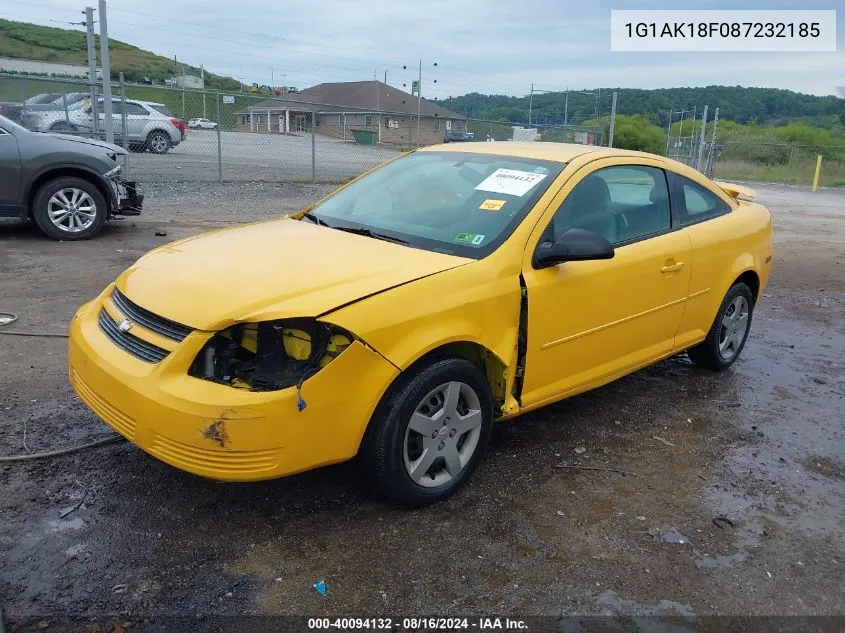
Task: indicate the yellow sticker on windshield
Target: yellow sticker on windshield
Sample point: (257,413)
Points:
(492,205)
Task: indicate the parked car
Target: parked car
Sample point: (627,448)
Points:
(400,317)
(203,124)
(70,186)
(149,125)
(457,137)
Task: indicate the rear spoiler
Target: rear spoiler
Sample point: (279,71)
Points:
(735,191)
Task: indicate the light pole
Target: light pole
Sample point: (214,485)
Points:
(418,85)
(531,99)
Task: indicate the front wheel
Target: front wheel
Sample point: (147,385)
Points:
(729,331)
(69,208)
(430,432)
(158,142)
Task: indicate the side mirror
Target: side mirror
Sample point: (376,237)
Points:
(571,246)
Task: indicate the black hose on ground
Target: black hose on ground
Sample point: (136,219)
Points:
(10,317)
(62,451)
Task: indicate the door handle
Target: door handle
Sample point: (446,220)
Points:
(672,268)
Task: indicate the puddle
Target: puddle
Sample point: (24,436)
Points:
(675,536)
(748,538)
(75,550)
(62,525)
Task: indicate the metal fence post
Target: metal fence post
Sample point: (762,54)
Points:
(703,139)
(123,135)
(64,103)
(108,121)
(219,148)
(612,121)
(313,146)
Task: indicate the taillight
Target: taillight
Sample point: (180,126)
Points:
(175,122)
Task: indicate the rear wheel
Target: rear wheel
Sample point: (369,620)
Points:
(430,432)
(158,142)
(69,208)
(62,126)
(729,331)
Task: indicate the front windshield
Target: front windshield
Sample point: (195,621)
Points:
(461,203)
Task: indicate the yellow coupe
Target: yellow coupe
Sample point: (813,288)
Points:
(398,318)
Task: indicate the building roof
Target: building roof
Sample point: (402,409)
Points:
(351,96)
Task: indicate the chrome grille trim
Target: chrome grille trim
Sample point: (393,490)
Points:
(139,348)
(146,319)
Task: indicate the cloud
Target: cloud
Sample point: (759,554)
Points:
(486,46)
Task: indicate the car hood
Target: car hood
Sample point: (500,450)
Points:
(90,141)
(271,270)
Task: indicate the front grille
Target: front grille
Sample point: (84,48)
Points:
(148,320)
(139,348)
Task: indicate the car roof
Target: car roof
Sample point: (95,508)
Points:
(558,152)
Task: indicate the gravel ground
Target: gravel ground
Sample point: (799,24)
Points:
(112,530)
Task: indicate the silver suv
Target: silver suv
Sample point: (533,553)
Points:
(149,125)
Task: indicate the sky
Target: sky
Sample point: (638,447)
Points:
(487,46)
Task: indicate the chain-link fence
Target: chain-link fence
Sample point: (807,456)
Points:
(758,160)
(176,134)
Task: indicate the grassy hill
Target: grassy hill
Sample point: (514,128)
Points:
(46,43)
(736,103)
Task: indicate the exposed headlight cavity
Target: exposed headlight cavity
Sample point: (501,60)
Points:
(270,355)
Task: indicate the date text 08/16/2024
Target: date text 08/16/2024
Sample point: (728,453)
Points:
(417,624)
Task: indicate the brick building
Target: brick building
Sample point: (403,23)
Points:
(382,112)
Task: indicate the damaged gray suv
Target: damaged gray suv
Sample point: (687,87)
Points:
(68,185)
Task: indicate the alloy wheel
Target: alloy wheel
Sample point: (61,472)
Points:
(71,210)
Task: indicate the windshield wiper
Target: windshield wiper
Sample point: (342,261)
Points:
(316,220)
(369,233)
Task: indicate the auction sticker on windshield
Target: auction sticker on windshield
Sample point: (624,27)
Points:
(469,238)
(511,182)
(492,205)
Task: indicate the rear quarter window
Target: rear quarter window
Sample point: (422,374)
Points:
(694,203)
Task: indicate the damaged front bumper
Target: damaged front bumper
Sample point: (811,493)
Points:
(125,197)
(215,430)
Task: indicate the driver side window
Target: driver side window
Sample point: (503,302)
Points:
(623,203)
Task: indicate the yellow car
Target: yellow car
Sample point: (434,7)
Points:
(400,317)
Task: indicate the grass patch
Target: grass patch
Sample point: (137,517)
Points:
(800,172)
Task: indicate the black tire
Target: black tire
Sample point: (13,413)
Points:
(158,142)
(41,203)
(62,127)
(138,148)
(708,353)
(382,454)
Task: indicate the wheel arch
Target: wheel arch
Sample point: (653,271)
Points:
(751,279)
(65,171)
(490,364)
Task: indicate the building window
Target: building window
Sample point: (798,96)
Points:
(368,120)
(436,125)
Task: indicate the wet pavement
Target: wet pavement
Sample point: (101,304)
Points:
(740,510)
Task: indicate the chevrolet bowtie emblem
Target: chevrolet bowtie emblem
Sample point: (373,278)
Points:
(125,325)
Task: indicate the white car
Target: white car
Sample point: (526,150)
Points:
(203,124)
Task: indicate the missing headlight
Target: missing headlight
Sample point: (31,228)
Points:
(270,355)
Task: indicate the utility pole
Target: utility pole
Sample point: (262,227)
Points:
(385,76)
(92,69)
(701,144)
(530,102)
(566,109)
(104,62)
(202,78)
(419,103)
(612,120)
